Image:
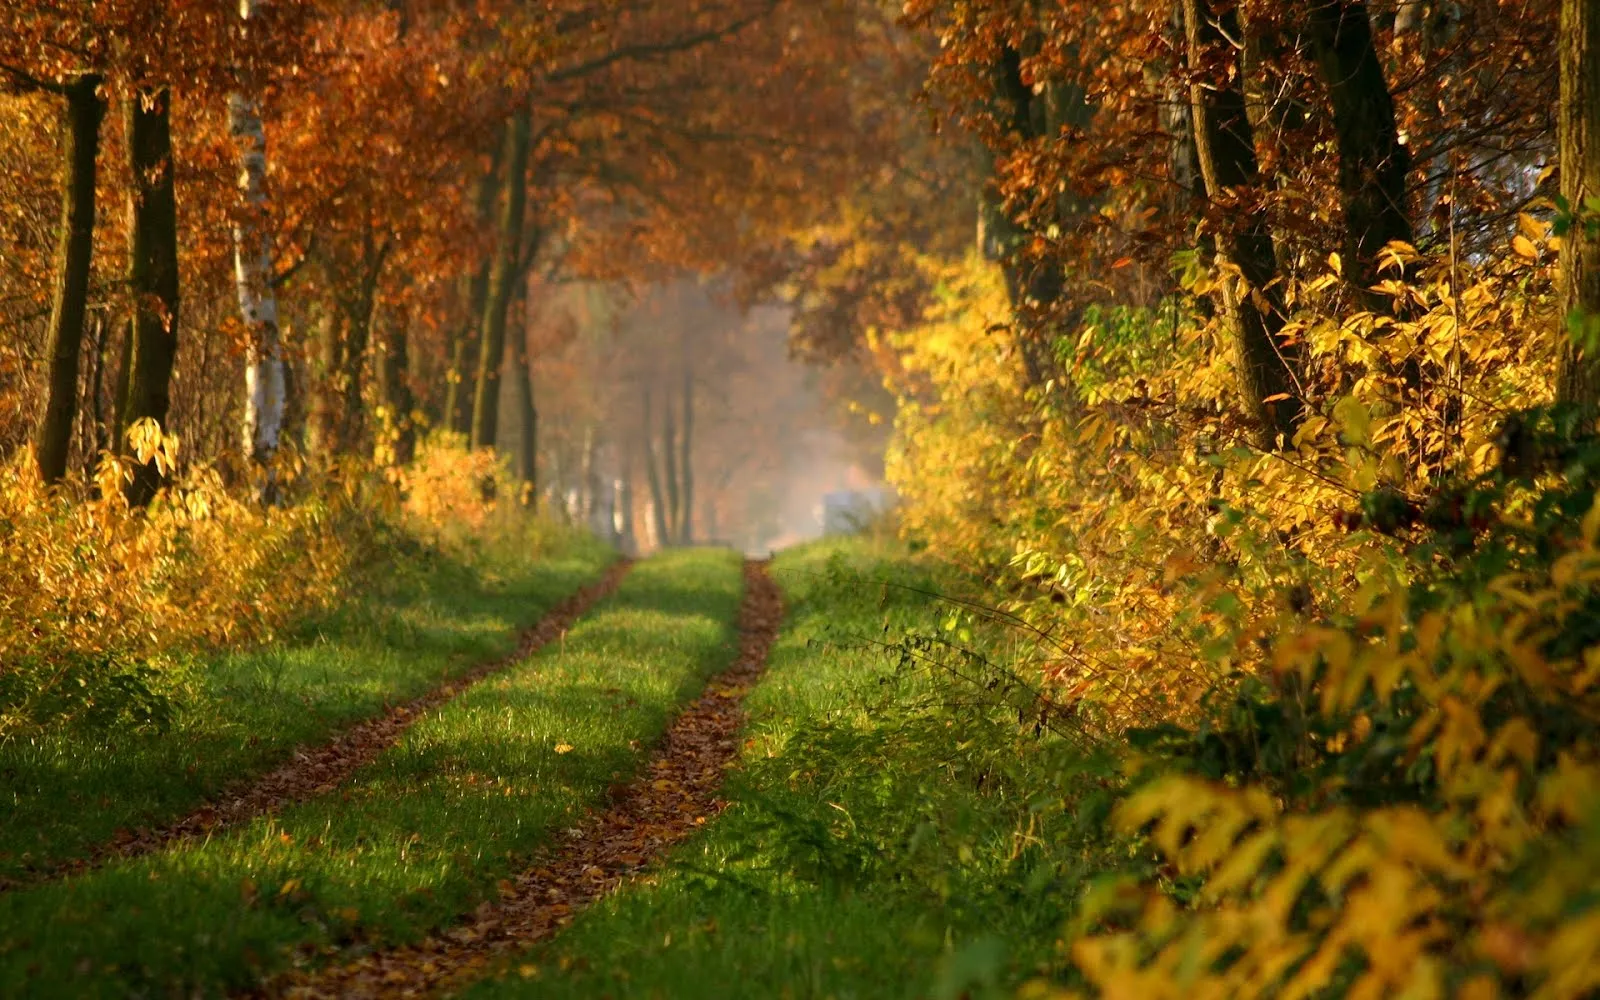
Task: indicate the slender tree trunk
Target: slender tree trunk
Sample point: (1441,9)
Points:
(1034,287)
(119,392)
(394,384)
(104,420)
(1373,164)
(658,500)
(357,337)
(525,458)
(627,539)
(685,458)
(152,273)
(326,438)
(258,301)
(669,468)
(475,294)
(1226,149)
(503,276)
(1578,377)
(74,259)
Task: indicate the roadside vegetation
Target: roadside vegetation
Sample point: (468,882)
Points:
(889,833)
(165,658)
(420,836)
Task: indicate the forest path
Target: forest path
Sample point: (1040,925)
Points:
(319,770)
(675,797)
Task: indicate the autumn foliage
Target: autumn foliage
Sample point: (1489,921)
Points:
(1264,437)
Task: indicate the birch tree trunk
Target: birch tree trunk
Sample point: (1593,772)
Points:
(152,275)
(74,258)
(253,275)
(1578,378)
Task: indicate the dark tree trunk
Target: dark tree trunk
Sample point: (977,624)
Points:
(1035,287)
(1578,378)
(669,468)
(326,437)
(152,274)
(685,459)
(524,460)
(1265,364)
(475,294)
(74,258)
(503,277)
(1373,164)
(102,420)
(394,385)
(119,392)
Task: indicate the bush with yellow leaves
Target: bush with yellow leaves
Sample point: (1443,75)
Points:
(101,604)
(1359,676)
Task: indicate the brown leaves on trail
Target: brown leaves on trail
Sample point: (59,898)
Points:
(314,771)
(659,809)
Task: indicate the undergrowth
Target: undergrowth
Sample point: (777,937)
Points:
(883,839)
(104,608)
(1354,678)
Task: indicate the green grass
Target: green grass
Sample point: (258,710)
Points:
(881,843)
(422,835)
(63,794)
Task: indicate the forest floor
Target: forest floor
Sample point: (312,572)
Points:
(691,777)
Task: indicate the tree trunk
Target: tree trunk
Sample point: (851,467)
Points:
(119,392)
(524,460)
(357,337)
(658,500)
(669,469)
(626,535)
(1373,164)
(1034,287)
(1254,307)
(1578,378)
(685,459)
(74,258)
(258,301)
(103,420)
(152,274)
(475,294)
(326,433)
(394,385)
(503,277)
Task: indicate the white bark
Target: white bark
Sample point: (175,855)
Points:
(252,262)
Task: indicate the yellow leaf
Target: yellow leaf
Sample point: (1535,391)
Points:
(1524,247)
(563,748)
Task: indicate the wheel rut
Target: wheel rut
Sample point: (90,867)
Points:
(676,795)
(318,770)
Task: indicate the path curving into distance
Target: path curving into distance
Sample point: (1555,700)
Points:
(318,770)
(675,796)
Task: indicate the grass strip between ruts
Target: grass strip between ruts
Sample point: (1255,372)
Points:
(875,845)
(423,835)
(66,794)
